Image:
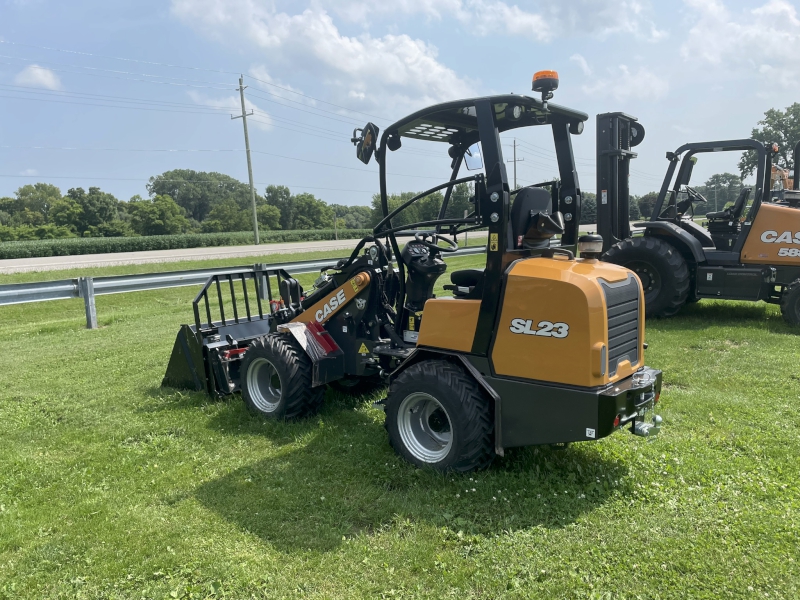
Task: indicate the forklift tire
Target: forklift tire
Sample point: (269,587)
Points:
(790,303)
(438,416)
(276,379)
(660,268)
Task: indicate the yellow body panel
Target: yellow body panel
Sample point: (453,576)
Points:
(449,323)
(774,238)
(331,304)
(562,293)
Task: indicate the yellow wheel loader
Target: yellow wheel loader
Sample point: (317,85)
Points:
(538,347)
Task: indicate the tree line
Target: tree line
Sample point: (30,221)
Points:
(178,201)
(186,201)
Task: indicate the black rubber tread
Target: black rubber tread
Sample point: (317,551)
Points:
(467,406)
(671,266)
(294,367)
(790,303)
(356,386)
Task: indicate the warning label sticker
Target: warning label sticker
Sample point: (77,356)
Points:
(363,349)
(493,244)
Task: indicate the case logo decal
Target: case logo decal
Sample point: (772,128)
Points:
(773,237)
(330,307)
(543,328)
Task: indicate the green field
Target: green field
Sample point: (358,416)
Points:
(111,487)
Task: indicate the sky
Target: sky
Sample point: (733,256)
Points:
(107,94)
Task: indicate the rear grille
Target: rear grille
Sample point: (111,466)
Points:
(622,302)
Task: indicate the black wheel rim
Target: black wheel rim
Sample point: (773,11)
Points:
(650,278)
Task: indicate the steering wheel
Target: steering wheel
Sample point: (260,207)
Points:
(695,195)
(422,238)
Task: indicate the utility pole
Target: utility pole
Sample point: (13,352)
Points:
(715,197)
(243,117)
(515,161)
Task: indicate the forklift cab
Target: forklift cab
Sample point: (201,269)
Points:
(727,229)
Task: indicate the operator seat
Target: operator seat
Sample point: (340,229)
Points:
(724,225)
(468,283)
(528,202)
(732,213)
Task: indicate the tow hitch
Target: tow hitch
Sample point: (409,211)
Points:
(646,423)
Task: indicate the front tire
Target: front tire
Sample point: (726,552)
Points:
(790,303)
(660,268)
(437,416)
(276,379)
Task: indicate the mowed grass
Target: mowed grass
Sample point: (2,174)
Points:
(111,487)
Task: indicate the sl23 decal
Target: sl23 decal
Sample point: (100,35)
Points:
(543,328)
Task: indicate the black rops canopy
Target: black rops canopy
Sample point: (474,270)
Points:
(456,122)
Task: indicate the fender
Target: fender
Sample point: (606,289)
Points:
(419,354)
(670,230)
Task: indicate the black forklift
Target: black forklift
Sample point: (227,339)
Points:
(747,251)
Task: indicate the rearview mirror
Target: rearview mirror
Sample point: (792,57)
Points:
(365,141)
(473,157)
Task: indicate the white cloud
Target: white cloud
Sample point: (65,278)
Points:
(761,41)
(29,172)
(260,118)
(541,20)
(392,72)
(581,63)
(622,84)
(36,76)
(278,88)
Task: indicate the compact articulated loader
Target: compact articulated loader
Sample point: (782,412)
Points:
(540,347)
(749,251)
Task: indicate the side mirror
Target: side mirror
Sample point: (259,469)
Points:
(365,140)
(473,157)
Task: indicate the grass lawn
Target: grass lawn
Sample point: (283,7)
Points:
(111,487)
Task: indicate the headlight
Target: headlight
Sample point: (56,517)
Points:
(590,246)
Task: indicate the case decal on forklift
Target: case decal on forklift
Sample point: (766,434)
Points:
(545,328)
(772,237)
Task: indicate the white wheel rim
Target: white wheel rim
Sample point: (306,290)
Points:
(425,427)
(264,385)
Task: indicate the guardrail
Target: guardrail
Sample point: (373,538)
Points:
(89,287)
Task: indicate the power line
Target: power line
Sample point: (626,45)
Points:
(123,78)
(189,68)
(35,63)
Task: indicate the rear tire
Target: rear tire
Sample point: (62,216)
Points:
(276,379)
(437,416)
(660,268)
(790,303)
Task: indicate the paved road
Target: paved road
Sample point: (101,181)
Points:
(56,263)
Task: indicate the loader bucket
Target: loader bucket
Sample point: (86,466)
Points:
(186,369)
